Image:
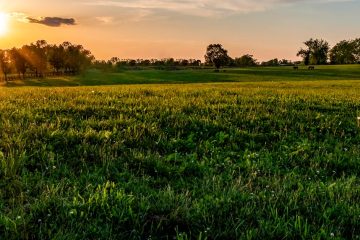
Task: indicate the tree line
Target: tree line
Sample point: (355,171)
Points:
(316,52)
(40,58)
(117,63)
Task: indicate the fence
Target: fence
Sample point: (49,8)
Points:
(14,77)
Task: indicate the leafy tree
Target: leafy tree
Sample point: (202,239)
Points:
(56,57)
(245,61)
(285,62)
(35,55)
(316,51)
(76,58)
(216,55)
(346,52)
(19,61)
(305,54)
(356,44)
(273,62)
(5,63)
(343,53)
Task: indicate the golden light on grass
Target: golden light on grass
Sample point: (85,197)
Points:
(4,19)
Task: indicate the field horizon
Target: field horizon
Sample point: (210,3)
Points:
(152,76)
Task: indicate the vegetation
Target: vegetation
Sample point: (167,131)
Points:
(316,52)
(260,159)
(39,58)
(146,76)
(346,52)
(216,55)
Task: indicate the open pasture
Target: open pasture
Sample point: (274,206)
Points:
(185,76)
(249,160)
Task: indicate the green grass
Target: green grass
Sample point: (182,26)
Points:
(248,160)
(94,77)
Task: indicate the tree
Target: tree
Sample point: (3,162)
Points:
(273,63)
(19,61)
(343,53)
(216,55)
(5,63)
(245,61)
(35,55)
(316,51)
(56,57)
(77,58)
(356,44)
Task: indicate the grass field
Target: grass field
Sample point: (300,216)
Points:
(275,155)
(258,74)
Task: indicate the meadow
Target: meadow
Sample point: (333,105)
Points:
(262,153)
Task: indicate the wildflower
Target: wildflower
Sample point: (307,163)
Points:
(18,217)
(332,235)
(54,167)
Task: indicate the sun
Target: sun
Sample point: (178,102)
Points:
(3,23)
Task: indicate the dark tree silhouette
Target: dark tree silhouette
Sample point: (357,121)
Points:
(56,57)
(316,51)
(345,52)
(216,55)
(245,61)
(19,61)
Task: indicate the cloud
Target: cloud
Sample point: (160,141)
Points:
(202,7)
(21,17)
(52,21)
(105,19)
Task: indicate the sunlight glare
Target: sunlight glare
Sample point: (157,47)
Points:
(3,23)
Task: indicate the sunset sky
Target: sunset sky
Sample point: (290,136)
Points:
(179,29)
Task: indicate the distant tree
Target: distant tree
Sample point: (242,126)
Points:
(36,56)
(245,61)
(56,57)
(273,63)
(316,51)
(114,60)
(305,54)
(5,63)
(169,62)
(184,62)
(19,61)
(343,53)
(216,55)
(356,44)
(132,63)
(77,58)
(195,62)
(285,62)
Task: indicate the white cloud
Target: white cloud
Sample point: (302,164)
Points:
(202,7)
(105,19)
